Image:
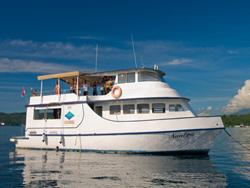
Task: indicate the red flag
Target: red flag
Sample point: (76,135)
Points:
(23,92)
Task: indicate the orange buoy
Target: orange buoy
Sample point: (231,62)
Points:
(116,92)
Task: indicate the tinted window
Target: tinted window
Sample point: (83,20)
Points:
(122,78)
(148,76)
(158,108)
(39,114)
(115,109)
(98,110)
(131,77)
(53,113)
(126,78)
(175,107)
(129,109)
(142,108)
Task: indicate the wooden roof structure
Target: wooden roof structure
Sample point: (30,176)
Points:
(71,77)
(59,76)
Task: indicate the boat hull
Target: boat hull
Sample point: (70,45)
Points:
(197,141)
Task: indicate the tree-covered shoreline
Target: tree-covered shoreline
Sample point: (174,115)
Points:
(234,120)
(18,118)
(13,119)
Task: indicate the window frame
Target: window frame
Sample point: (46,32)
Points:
(176,107)
(129,108)
(158,112)
(39,113)
(145,76)
(140,111)
(126,78)
(114,113)
(130,73)
(46,115)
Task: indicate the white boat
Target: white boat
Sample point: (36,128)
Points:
(141,114)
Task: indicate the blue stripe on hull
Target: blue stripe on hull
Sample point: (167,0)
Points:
(179,152)
(128,133)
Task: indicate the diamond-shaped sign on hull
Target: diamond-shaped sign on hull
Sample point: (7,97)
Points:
(69,115)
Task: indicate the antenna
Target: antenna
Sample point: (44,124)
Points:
(142,63)
(96,57)
(132,40)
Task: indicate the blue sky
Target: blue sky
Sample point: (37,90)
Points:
(203,46)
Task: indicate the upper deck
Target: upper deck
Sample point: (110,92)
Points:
(135,84)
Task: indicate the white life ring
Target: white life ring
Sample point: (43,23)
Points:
(116,92)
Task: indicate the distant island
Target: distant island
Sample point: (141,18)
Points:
(18,118)
(233,120)
(13,119)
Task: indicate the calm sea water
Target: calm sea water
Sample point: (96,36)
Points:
(228,165)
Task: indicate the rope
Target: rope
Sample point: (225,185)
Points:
(243,146)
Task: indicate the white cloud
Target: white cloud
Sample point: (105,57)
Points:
(121,53)
(241,101)
(180,61)
(87,37)
(17,65)
(233,52)
(61,51)
(54,50)
(206,112)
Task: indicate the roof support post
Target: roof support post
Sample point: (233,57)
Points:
(58,81)
(59,92)
(41,91)
(77,85)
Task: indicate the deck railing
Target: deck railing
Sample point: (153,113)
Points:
(36,92)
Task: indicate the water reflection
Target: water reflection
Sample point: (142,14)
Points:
(74,169)
(232,155)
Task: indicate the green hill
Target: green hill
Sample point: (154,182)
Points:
(232,120)
(13,118)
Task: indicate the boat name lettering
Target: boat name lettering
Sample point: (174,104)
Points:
(181,135)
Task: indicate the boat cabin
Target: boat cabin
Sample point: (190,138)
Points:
(123,95)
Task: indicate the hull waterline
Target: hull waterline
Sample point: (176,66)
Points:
(170,142)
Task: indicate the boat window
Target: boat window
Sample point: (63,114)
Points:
(115,109)
(122,78)
(53,113)
(98,110)
(176,108)
(143,108)
(158,108)
(131,77)
(129,109)
(148,76)
(39,114)
(126,78)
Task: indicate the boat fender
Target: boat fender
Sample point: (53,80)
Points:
(62,140)
(45,138)
(116,92)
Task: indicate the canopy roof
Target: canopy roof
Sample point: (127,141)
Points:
(59,75)
(70,77)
